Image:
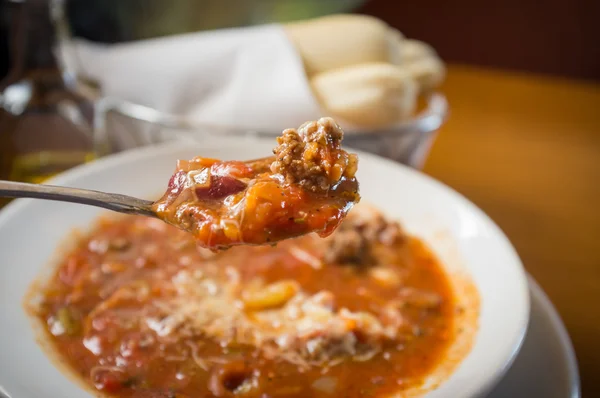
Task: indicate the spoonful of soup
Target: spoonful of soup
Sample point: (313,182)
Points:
(309,185)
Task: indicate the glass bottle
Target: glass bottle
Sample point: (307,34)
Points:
(45,127)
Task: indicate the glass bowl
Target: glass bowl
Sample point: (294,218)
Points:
(122,125)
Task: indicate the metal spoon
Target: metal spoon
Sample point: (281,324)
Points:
(112,201)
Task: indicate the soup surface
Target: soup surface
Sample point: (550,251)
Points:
(137,309)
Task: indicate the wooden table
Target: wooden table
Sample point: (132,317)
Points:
(526,149)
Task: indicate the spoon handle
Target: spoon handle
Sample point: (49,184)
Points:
(120,203)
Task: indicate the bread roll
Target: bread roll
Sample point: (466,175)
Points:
(362,71)
(422,62)
(413,50)
(395,40)
(339,41)
(367,95)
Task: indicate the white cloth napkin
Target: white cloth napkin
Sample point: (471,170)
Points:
(245,77)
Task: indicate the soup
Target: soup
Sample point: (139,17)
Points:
(137,309)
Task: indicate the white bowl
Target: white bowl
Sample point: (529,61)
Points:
(460,234)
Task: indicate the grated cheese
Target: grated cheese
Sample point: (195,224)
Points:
(307,330)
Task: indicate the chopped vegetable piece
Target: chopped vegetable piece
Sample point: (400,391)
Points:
(68,321)
(271,296)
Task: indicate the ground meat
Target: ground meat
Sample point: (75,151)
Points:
(312,156)
(349,247)
(354,241)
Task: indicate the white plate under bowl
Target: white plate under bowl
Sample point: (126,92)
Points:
(30,232)
(546,365)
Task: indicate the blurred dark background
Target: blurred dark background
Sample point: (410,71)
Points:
(4,23)
(556,37)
